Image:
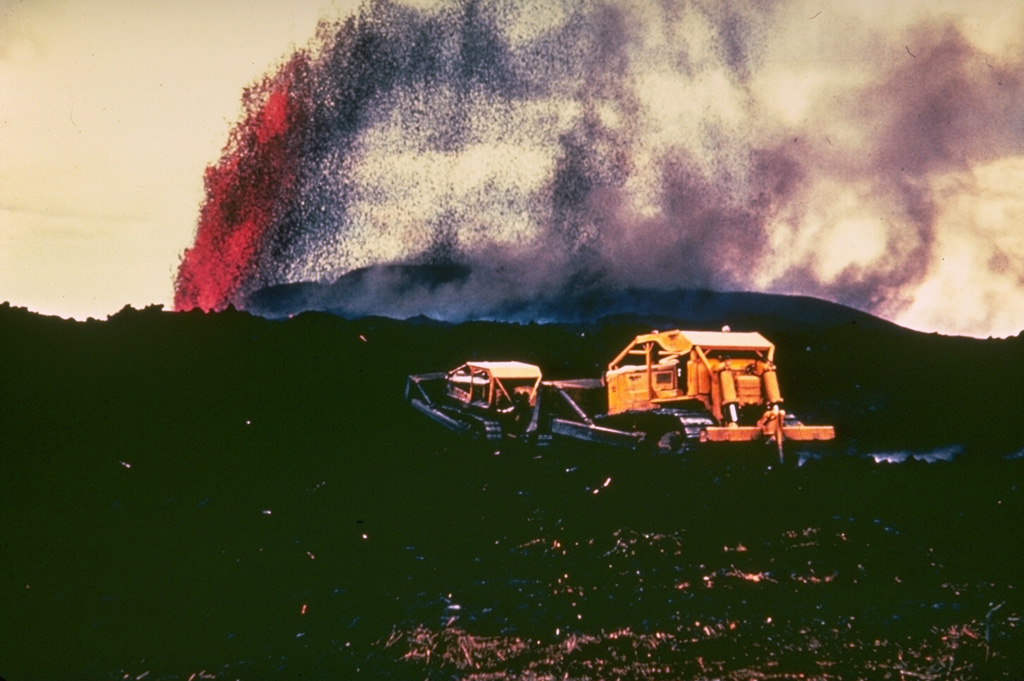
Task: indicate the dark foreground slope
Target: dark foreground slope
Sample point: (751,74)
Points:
(231,497)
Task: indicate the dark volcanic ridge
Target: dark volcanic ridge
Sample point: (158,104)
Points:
(453,293)
(886,389)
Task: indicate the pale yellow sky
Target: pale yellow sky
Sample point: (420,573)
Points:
(110,110)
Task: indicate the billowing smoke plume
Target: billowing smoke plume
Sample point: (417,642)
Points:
(543,146)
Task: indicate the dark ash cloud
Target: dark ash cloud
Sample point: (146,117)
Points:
(601,145)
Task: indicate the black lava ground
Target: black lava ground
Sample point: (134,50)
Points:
(188,496)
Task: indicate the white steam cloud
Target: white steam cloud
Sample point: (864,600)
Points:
(865,155)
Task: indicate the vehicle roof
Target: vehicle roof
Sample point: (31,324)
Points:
(683,341)
(508,369)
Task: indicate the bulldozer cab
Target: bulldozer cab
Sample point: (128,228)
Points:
(722,372)
(494,386)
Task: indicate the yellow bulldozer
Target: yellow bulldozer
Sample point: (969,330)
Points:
(668,390)
(729,378)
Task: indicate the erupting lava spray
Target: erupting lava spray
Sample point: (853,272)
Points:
(246,194)
(542,146)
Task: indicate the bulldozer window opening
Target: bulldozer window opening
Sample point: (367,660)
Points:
(733,354)
(469,386)
(510,387)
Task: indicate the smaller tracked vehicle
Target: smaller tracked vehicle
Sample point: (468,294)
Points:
(666,391)
(488,400)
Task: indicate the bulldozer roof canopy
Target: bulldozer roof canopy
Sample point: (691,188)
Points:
(508,369)
(683,341)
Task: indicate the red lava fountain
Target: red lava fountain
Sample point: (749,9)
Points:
(245,191)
